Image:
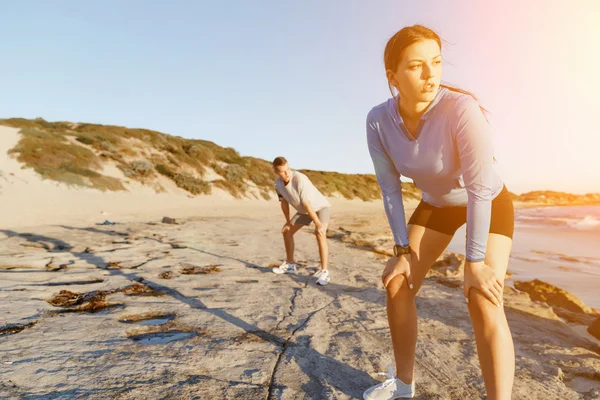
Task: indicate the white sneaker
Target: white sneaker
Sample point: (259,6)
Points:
(285,268)
(323,276)
(392,388)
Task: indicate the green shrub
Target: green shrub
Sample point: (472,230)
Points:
(142,168)
(86,140)
(192,184)
(164,170)
(200,153)
(235,173)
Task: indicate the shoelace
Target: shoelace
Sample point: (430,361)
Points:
(390,375)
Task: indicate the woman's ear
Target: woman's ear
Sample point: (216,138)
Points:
(391,81)
(390,77)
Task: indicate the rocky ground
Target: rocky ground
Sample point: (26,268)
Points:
(192,311)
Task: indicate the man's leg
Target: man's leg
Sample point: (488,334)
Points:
(323,247)
(322,237)
(288,240)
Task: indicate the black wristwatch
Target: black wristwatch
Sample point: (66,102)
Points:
(399,250)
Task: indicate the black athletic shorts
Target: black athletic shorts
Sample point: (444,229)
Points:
(448,219)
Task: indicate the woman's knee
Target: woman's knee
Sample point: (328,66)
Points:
(398,288)
(482,309)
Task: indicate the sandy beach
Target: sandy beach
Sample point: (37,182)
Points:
(146,309)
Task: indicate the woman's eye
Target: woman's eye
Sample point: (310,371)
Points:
(413,67)
(438,62)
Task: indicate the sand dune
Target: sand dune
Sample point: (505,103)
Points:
(28,200)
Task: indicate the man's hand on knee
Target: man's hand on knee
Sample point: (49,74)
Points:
(320,229)
(287,227)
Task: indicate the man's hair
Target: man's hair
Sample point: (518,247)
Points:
(279,161)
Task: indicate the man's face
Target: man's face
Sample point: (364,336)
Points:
(284,172)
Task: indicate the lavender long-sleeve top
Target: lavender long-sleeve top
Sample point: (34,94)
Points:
(451,161)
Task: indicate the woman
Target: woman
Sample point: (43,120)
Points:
(438,136)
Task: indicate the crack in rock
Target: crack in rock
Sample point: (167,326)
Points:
(292,307)
(286,344)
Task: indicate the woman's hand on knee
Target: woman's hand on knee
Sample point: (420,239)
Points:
(483,278)
(398,266)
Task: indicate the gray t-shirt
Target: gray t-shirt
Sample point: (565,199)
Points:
(451,161)
(300,190)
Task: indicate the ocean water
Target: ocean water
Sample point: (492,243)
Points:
(583,218)
(559,245)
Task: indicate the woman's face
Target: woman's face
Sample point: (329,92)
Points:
(419,72)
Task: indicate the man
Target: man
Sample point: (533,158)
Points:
(295,189)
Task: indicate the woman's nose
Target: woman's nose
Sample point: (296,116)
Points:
(428,72)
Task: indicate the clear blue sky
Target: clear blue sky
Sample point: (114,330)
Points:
(296,79)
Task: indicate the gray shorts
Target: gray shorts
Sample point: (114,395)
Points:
(304,219)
